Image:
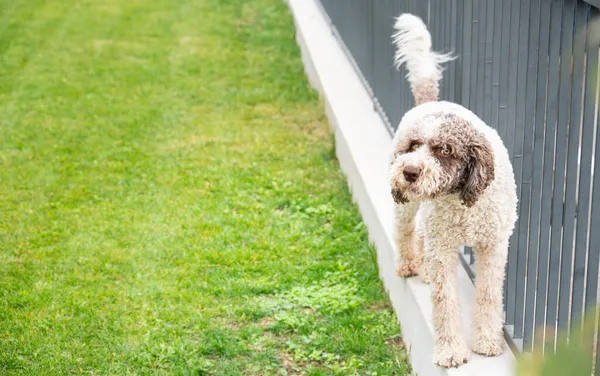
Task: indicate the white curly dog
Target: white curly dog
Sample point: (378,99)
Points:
(453,185)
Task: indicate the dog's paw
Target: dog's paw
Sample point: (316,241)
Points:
(488,346)
(406,269)
(451,356)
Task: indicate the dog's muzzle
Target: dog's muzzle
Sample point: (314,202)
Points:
(411,173)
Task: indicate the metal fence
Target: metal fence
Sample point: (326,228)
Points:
(529,69)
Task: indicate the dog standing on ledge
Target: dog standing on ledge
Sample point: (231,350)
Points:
(453,185)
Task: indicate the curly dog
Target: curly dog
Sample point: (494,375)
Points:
(453,185)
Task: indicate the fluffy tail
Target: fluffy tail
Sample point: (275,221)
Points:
(413,47)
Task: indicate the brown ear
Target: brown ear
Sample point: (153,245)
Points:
(480,171)
(398,196)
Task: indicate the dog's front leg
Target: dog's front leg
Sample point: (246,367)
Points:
(404,236)
(450,347)
(488,337)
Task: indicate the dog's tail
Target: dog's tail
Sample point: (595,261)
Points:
(413,47)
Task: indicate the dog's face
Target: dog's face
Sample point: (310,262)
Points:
(441,154)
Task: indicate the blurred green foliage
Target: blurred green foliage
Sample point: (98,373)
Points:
(574,353)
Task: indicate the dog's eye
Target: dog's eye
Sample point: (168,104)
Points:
(445,150)
(414,146)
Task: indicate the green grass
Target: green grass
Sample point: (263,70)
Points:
(171,203)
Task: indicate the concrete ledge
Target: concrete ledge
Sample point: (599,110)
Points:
(362,147)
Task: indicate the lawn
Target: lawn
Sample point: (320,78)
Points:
(171,203)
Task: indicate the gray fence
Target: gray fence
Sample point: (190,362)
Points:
(529,69)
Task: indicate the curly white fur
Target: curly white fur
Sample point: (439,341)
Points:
(465,197)
(413,48)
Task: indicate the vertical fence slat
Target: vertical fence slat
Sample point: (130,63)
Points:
(516,276)
(439,26)
(591,112)
(454,47)
(495,80)
(556,251)
(400,88)
(590,120)
(474,53)
(449,47)
(445,17)
(383,69)
(423,9)
(466,57)
(515,46)
(509,294)
(547,263)
(367,32)
(585,161)
(564,300)
(497,34)
(442,17)
(480,58)
(594,257)
(404,89)
(436,34)
(490,21)
(392,101)
(457,40)
(535,245)
(503,64)
(397,87)
(518,165)
(408,99)
(528,169)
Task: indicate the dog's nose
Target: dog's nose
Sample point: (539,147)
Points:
(411,173)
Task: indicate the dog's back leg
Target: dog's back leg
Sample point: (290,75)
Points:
(488,337)
(421,259)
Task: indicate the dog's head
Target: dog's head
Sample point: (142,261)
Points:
(441,154)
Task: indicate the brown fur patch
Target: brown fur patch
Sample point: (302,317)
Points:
(470,166)
(404,146)
(398,196)
(480,171)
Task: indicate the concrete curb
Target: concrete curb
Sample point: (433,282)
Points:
(362,147)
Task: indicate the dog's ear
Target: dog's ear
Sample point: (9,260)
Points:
(479,172)
(398,196)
